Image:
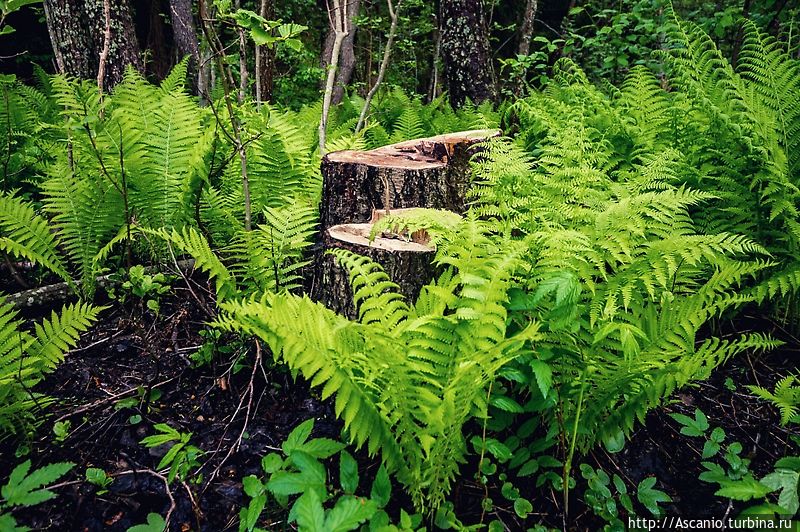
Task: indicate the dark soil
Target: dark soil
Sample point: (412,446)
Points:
(133,352)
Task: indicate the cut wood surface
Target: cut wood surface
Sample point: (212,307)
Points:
(358,186)
(431,172)
(407,263)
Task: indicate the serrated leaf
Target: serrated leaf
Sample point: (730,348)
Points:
(528,468)
(348,473)
(381,488)
(743,490)
(786,481)
(710,448)
(506,403)
(543,376)
(271,463)
(499,450)
(348,513)
(252,486)
(22,487)
(309,512)
(285,483)
(298,436)
(310,467)
(321,447)
(651,497)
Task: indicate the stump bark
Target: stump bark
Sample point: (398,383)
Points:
(431,173)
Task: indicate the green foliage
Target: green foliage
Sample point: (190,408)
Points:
(786,397)
(155,523)
(600,498)
(734,478)
(25,234)
(98,477)
(302,472)
(26,488)
(181,457)
(410,403)
(26,357)
(148,288)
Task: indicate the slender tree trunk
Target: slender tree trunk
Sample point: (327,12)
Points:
(347,58)
(394,13)
(465,51)
(338,21)
(526,28)
(243,74)
(265,61)
(433,91)
(186,41)
(78,30)
(218,53)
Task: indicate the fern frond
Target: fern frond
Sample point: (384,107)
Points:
(375,296)
(25,359)
(786,398)
(188,240)
(25,234)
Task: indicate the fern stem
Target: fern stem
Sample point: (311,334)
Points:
(483,451)
(571,453)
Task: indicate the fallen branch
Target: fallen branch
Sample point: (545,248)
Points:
(43,295)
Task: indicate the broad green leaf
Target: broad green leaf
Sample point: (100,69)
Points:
(743,490)
(348,513)
(651,497)
(155,523)
(321,447)
(286,483)
(271,463)
(381,488)
(298,436)
(786,481)
(309,513)
(348,473)
(522,507)
(543,375)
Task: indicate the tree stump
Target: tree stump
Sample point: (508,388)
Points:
(431,173)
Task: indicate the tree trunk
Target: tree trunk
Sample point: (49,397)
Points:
(394,14)
(431,173)
(265,61)
(526,28)
(465,51)
(185,36)
(409,264)
(78,28)
(347,56)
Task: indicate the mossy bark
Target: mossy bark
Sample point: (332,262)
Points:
(77,30)
(465,52)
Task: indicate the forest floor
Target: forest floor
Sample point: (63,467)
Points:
(136,369)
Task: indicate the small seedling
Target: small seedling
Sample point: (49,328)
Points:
(98,477)
(61,430)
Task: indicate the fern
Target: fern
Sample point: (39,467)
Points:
(188,240)
(405,382)
(786,397)
(272,256)
(26,358)
(25,234)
